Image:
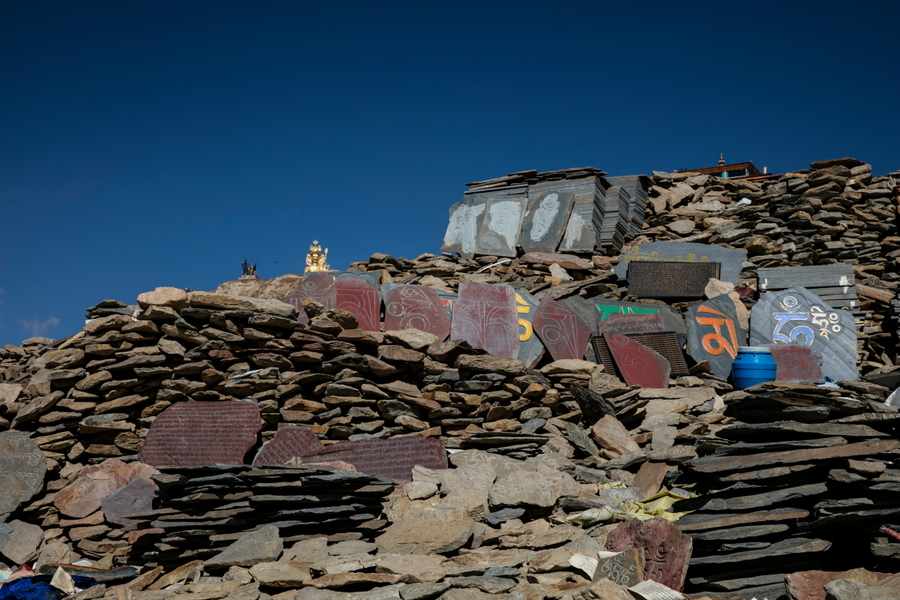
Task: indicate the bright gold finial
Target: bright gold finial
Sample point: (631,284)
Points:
(315,260)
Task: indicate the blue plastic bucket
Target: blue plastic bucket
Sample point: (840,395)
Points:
(753,364)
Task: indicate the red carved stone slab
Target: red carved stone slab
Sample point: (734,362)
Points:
(563,332)
(318,286)
(485,315)
(633,324)
(638,364)
(364,301)
(288,443)
(797,363)
(199,434)
(667,550)
(393,458)
(135,497)
(415,307)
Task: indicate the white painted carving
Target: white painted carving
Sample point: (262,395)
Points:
(462,227)
(543,217)
(573,231)
(505,218)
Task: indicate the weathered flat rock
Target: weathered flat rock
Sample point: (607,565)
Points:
(262,545)
(716,464)
(789,548)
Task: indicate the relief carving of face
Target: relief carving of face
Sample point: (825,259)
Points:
(505,220)
(543,216)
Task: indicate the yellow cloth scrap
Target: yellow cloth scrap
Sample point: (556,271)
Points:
(655,506)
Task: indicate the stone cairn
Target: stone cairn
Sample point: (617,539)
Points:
(549,458)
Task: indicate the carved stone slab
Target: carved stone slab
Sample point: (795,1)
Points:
(289,442)
(22,470)
(797,315)
(199,434)
(359,297)
(797,363)
(622,568)
(731,260)
(563,332)
(544,221)
(628,324)
(530,347)
(135,497)
(588,312)
(501,228)
(669,279)
(415,307)
(667,550)
(373,278)
(638,364)
(665,343)
(393,458)
(466,218)
(673,319)
(319,286)
(714,334)
(485,315)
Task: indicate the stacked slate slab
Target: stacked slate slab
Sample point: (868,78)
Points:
(835,284)
(636,186)
(611,217)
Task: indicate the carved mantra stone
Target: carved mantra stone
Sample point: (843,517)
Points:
(199,434)
(796,363)
(502,225)
(415,307)
(485,316)
(730,260)
(318,286)
(530,347)
(544,221)
(561,329)
(358,297)
(135,497)
(466,217)
(667,550)
(629,324)
(638,364)
(393,458)
(289,442)
(714,334)
(22,470)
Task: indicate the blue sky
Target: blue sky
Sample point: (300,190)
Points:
(148,144)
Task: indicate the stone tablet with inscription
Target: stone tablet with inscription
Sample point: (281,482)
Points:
(544,221)
(22,470)
(530,347)
(318,286)
(674,322)
(667,279)
(714,334)
(485,315)
(393,458)
(358,297)
(502,225)
(288,443)
(667,550)
(796,315)
(200,434)
(135,497)
(415,307)
(563,332)
(731,260)
(624,568)
(638,364)
(796,363)
(466,218)
(372,277)
(633,323)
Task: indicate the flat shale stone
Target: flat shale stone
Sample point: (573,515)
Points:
(667,549)
(22,469)
(485,316)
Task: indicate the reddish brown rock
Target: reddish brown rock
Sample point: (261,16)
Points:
(86,494)
(667,550)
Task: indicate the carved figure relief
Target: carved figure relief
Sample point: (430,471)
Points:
(543,217)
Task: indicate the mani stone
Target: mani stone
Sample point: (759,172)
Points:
(22,470)
(624,568)
(393,458)
(544,220)
(318,286)
(796,315)
(485,316)
(466,218)
(796,363)
(667,279)
(530,347)
(714,334)
(133,498)
(667,550)
(414,307)
(638,364)
(288,443)
(674,322)
(20,543)
(199,434)
(731,260)
(561,329)
(358,297)
(633,324)
(501,227)
(85,495)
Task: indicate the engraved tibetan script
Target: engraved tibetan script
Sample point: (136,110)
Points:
(22,469)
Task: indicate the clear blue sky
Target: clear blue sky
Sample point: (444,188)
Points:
(148,144)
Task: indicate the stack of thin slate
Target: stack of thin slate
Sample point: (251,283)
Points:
(800,481)
(636,186)
(611,217)
(835,284)
(202,510)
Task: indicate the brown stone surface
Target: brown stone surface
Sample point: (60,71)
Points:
(85,495)
(638,364)
(394,458)
(357,296)
(134,497)
(22,469)
(164,296)
(796,363)
(561,330)
(566,261)
(198,434)
(289,442)
(649,478)
(667,550)
(609,433)
(485,315)
(415,307)
(810,585)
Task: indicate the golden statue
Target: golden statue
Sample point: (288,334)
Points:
(249,270)
(315,260)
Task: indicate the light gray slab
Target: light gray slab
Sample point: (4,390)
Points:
(731,260)
(502,225)
(797,315)
(466,218)
(547,214)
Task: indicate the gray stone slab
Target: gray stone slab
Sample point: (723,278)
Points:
(466,218)
(797,315)
(714,334)
(22,469)
(547,214)
(530,347)
(685,252)
(501,228)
